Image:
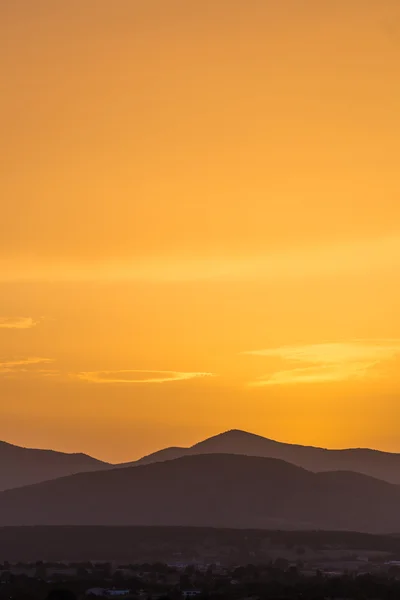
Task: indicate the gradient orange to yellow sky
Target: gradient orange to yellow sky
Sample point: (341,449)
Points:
(200,222)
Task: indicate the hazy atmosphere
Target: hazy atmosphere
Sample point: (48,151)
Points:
(200,223)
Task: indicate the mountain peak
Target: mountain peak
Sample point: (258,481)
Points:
(233,436)
(239,433)
(235,432)
(233,441)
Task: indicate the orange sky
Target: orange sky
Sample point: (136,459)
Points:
(200,222)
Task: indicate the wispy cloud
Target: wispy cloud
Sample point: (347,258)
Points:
(22,365)
(327,362)
(138,376)
(17,322)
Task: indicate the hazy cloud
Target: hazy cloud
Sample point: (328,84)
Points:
(22,365)
(17,322)
(327,362)
(138,376)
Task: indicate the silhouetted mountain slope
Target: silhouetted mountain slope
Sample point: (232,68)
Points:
(25,466)
(219,490)
(170,453)
(383,465)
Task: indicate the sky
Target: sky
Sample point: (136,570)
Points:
(200,222)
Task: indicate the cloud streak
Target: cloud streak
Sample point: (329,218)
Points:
(338,361)
(134,376)
(17,323)
(22,365)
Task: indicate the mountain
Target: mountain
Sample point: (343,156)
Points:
(170,453)
(25,466)
(382,465)
(217,490)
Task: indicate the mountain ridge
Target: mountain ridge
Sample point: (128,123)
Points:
(21,466)
(375,463)
(219,490)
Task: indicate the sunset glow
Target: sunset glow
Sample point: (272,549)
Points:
(200,222)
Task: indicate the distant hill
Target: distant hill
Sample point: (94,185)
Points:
(218,490)
(383,465)
(180,544)
(160,456)
(25,466)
